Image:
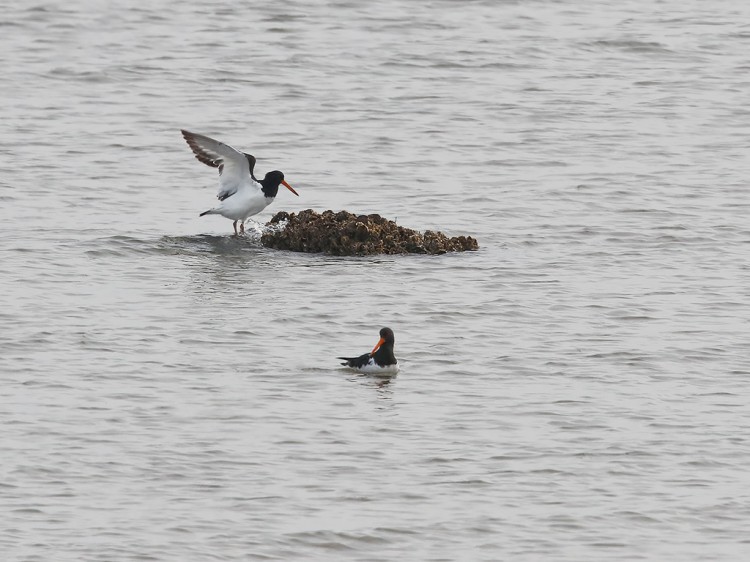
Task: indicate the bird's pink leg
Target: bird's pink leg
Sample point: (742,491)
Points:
(242,227)
(234,224)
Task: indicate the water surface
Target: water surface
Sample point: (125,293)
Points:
(575,390)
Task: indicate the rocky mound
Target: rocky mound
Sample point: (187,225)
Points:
(347,234)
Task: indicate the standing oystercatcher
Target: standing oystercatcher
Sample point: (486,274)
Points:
(240,193)
(380,361)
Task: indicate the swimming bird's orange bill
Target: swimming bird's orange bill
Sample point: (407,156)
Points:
(289,187)
(374,349)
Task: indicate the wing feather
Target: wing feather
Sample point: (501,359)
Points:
(235,167)
(356,362)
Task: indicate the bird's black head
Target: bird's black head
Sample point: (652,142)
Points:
(387,335)
(271,184)
(384,347)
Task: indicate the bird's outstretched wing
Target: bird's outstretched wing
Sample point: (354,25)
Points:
(235,167)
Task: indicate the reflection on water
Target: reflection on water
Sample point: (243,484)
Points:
(215,245)
(372,381)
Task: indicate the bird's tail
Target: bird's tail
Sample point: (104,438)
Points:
(209,212)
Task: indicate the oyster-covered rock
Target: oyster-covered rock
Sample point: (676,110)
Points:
(346,234)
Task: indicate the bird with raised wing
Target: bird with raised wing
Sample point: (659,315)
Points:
(380,361)
(241,194)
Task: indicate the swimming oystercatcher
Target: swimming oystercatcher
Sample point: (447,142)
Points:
(240,193)
(380,361)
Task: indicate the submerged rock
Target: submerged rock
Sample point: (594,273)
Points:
(347,234)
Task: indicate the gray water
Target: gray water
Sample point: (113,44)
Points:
(575,390)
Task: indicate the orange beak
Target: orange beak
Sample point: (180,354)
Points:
(374,349)
(289,187)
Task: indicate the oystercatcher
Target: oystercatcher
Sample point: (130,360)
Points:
(242,195)
(380,361)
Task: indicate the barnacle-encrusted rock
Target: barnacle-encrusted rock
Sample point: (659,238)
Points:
(347,234)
